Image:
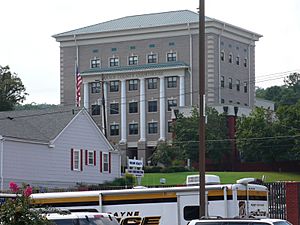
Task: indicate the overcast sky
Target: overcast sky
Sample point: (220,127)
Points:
(27,46)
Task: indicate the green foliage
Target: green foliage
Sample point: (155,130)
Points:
(165,154)
(12,90)
(127,180)
(288,94)
(186,140)
(33,106)
(18,211)
(261,137)
(216,132)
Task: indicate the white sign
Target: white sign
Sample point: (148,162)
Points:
(135,167)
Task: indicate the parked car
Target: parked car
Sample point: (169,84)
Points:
(82,218)
(238,221)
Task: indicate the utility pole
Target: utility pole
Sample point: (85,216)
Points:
(202,109)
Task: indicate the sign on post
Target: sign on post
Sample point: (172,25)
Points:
(135,167)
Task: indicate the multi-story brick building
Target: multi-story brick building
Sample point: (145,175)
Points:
(144,65)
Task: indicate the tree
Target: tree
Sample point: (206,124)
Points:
(261,137)
(18,211)
(287,94)
(216,132)
(186,141)
(12,90)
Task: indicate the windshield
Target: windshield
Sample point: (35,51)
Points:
(85,221)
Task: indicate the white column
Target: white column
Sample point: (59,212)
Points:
(104,118)
(162,109)
(123,113)
(86,95)
(142,110)
(181,91)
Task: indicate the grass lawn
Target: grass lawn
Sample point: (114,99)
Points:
(225,177)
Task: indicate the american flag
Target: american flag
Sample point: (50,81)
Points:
(78,83)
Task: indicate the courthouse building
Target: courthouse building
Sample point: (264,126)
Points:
(136,69)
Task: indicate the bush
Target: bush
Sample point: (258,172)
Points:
(152,169)
(174,169)
(18,211)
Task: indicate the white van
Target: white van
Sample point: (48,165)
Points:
(82,218)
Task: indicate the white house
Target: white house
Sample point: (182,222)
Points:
(58,147)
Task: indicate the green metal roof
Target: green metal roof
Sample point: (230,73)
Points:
(135,68)
(137,22)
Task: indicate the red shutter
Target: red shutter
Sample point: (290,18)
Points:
(100,164)
(109,162)
(95,158)
(72,166)
(81,160)
(86,157)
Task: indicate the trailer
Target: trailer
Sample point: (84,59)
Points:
(165,205)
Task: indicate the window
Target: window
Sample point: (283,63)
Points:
(170,126)
(245,87)
(76,160)
(114,86)
(222,100)
(133,85)
(171,56)
(152,106)
(172,103)
(113,61)
(152,128)
(114,129)
(230,82)
(245,62)
(237,60)
(191,212)
(95,63)
(238,84)
(152,83)
(222,56)
(230,58)
(133,107)
(132,60)
(114,108)
(152,58)
(105,162)
(91,158)
(171,82)
(133,128)
(222,81)
(95,109)
(95,87)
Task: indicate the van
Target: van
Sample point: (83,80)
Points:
(239,221)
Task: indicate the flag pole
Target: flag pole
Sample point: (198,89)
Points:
(76,71)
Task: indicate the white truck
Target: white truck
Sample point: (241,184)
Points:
(165,205)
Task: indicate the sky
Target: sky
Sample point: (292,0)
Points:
(27,27)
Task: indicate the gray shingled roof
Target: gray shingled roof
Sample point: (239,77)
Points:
(138,21)
(136,68)
(35,125)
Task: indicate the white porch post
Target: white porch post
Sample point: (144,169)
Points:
(142,110)
(162,109)
(123,112)
(181,91)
